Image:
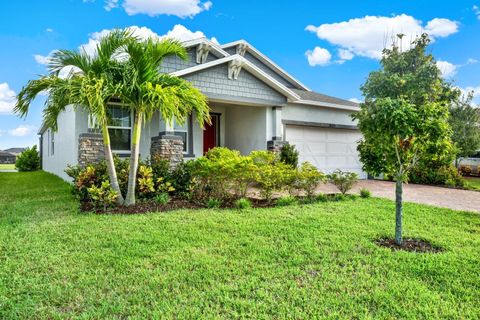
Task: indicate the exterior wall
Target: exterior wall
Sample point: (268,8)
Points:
(65,145)
(246,128)
(172,63)
(214,83)
(267,70)
(317,114)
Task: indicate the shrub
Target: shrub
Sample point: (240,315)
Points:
(272,177)
(339,197)
(289,155)
(213,203)
(286,201)
(243,203)
(365,193)
(181,179)
(466,170)
(443,175)
(344,181)
(145,184)
(308,178)
(162,198)
(322,197)
(103,196)
(28,160)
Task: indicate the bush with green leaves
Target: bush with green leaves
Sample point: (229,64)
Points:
(286,201)
(243,203)
(441,175)
(308,178)
(28,160)
(289,155)
(213,203)
(365,193)
(162,198)
(343,180)
(103,196)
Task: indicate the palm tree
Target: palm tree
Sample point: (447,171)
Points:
(91,83)
(145,90)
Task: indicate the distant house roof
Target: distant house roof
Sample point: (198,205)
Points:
(315,98)
(6,154)
(15,150)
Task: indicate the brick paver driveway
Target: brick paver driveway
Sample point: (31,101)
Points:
(436,196)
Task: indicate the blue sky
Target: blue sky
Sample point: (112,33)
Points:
(330,46)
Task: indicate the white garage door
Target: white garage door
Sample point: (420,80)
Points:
(327,148)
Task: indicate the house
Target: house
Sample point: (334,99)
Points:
(15,151)
(7,157)
(255,104)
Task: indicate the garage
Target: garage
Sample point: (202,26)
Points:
(327,148)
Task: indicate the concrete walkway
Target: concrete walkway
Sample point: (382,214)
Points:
(436,196)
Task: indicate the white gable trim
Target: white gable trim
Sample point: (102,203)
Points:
(257,54)
(247,65)
(215,48)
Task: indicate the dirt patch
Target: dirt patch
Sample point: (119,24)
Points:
(174,204)
(410,245)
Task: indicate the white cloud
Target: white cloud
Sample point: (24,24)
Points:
(111,4)
(476,11)
(345,54)
(318,57)
(179,8)
(40,59)
(368,36)
(7,98)
(49,30)
(22,131)
(472,61)
(474,90)
(447,69)
(355,100)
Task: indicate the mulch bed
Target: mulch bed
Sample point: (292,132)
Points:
(410,245)
(174,204)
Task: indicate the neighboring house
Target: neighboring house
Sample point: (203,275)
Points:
(15,151)
(254,104)
(7,157)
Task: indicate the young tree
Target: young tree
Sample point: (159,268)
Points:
(404,116)
(145,91)
(90,85)
(465,122)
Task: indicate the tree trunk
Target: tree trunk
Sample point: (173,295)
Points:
(132,175)
(398,211)
(112,173)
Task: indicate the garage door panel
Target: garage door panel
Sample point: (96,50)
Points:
(327,148)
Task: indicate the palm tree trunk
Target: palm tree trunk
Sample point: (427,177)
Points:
(112,173)
(398,211)
(132,175)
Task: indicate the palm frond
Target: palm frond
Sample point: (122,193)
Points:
(65,58)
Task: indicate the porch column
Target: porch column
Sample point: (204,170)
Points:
(167,145)
(277,135)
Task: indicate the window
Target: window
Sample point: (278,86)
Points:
(120,128)
(183,131)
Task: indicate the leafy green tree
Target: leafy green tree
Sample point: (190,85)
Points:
(404,116)
(145,91)
(92,82)
(465,122)
(28,160)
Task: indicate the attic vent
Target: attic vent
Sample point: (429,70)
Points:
(234,68)
(242,48)
(202,52)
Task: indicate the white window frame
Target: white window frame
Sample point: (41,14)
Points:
(189,126)
(126,152)
(52,142)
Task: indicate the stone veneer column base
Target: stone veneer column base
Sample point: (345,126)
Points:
(275,145)
(90,148)
(168,147)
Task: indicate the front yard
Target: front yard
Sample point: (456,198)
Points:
(4,166)
(473,183)
(307,261)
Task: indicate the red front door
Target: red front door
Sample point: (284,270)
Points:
(210,134)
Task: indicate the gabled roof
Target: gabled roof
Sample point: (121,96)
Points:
(6,154)
(257,54)
(15,150)
(315,98)
(216,48)
(247,65)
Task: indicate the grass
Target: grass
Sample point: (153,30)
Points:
(4,166)
(300,261)
(473,183)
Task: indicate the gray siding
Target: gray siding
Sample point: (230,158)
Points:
(172,63)
(214,81)
(267,70)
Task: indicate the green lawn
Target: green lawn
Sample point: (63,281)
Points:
(7,166)
(473,183)
(293,262)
